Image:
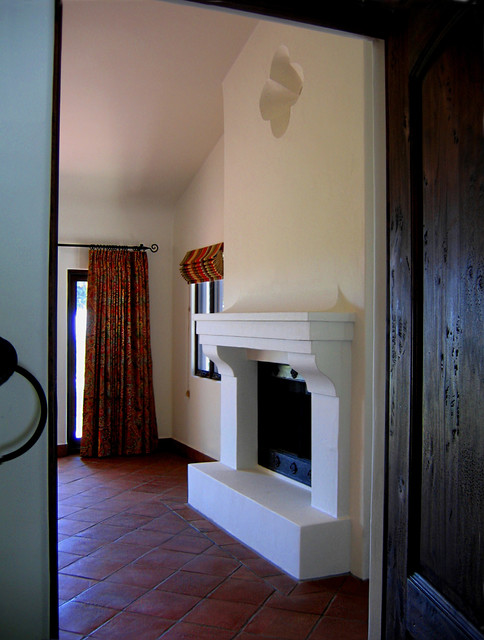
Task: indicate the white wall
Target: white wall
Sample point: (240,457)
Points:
(26,56)
(199,221)
(295,206)
(93,211)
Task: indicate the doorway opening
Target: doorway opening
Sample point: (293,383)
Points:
(76,345)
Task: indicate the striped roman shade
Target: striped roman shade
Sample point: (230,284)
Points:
(203,265)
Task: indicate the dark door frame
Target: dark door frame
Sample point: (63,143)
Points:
(52,330)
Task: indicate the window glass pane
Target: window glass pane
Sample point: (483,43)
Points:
(203,297)
(80,340)
(218,295)
(203,361)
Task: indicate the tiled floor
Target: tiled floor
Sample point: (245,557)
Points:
(136,563)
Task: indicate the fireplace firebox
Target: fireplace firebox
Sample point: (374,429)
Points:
(284,421)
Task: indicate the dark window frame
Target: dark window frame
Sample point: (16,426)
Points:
(214,292)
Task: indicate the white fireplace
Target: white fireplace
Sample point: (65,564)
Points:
(306,531)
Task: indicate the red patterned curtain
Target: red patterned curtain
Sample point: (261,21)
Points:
(119,410)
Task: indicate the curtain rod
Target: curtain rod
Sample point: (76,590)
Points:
(140,247)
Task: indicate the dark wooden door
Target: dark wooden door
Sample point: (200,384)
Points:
(435,482)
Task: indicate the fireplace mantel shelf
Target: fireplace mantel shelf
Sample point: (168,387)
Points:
(305,531)
(289,331)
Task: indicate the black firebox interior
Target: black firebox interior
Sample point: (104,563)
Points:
(284,422)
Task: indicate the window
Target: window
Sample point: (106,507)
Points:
(207,298)
(76,340)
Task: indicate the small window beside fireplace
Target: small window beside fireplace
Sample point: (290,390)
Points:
(284,422)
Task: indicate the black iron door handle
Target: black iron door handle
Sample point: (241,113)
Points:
(8,366)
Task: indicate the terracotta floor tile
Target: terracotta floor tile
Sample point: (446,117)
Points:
(324,584)
(192,531)
(91,515)
(71,586)
(283,583)
(101,493)
(79,545)
(250,592)
(250,636)
(121,551)
(146,537)
(339,629)
(151,509)
(166,558)
(355,587)
(190,543)
(78,500)
(212,565)
(348,607)
(177,493)
(168,522)
(221,537)
(123,501)
(132,626)
(104,532)
(131,520)
(68,635)
(188,631)
(83,618)
(95,568)
(145,475)
(243,573)
(71,527)
(170,606)
(240,551)
(159,486)
(215,550)
(204,525)
(111,594)
(308,603)
(191,584)
(220,613)
(283,625)
(140,575)
(262,567)
(65,559)
(126,483)
(188,513)
(71,488)
(66,510)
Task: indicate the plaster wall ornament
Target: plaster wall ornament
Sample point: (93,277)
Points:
(281,91)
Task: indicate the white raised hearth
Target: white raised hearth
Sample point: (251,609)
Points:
(305,531)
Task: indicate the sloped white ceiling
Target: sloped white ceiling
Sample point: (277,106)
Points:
(141,91)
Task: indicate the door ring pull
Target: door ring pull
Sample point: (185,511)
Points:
(8,366)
